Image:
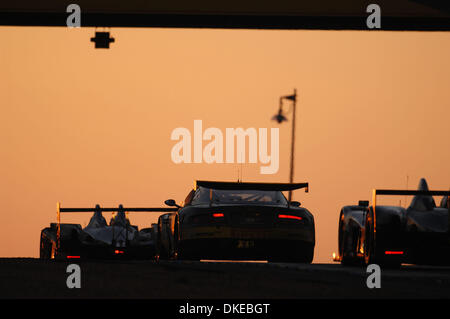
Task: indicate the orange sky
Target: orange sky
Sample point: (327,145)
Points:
(85,126)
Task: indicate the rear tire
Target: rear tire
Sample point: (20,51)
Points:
(347,260)
(372,253)
(369,239)
(308,258)
(348,250)
(45,247)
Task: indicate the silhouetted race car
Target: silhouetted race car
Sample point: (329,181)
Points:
(98,240)
(391,235)
(235,220)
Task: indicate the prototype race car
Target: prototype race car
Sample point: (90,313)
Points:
(98,240)
(392,235)
(235,220)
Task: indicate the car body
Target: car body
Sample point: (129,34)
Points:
(98,240)
(236,220)
(392,235)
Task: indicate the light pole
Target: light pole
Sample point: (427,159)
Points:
(280,117)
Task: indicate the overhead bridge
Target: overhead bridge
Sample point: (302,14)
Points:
(396,15)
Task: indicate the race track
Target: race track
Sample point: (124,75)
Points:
(34,278)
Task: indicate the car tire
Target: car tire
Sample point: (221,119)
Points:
(370,250)
(45,247)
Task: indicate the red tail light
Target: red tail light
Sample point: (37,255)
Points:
(218,215)
(73,257)
(118,252)
(391,252)
(289,216)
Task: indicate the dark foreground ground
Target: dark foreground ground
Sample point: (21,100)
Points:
(34,278)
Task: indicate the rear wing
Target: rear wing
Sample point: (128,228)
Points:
(60,210)
(376,192)
(253,186)
(397,192)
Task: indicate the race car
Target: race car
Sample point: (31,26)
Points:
(242,221)
(98,240)
(392,235)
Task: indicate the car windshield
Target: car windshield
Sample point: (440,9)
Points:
(202,196)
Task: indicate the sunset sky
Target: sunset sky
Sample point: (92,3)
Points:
(84,126)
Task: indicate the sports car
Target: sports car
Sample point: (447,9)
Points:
(236,220)
(98,240)
(392,235)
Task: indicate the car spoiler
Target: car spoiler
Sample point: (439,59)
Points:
(60,210)
(401,192)
(253,186)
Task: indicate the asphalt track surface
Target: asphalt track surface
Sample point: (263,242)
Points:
(33,278)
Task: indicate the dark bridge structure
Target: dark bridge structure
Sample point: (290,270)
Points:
(396,15)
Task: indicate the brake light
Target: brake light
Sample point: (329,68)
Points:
(289,217)
(391,252)
(218,215)
(118,252)
(73,257)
